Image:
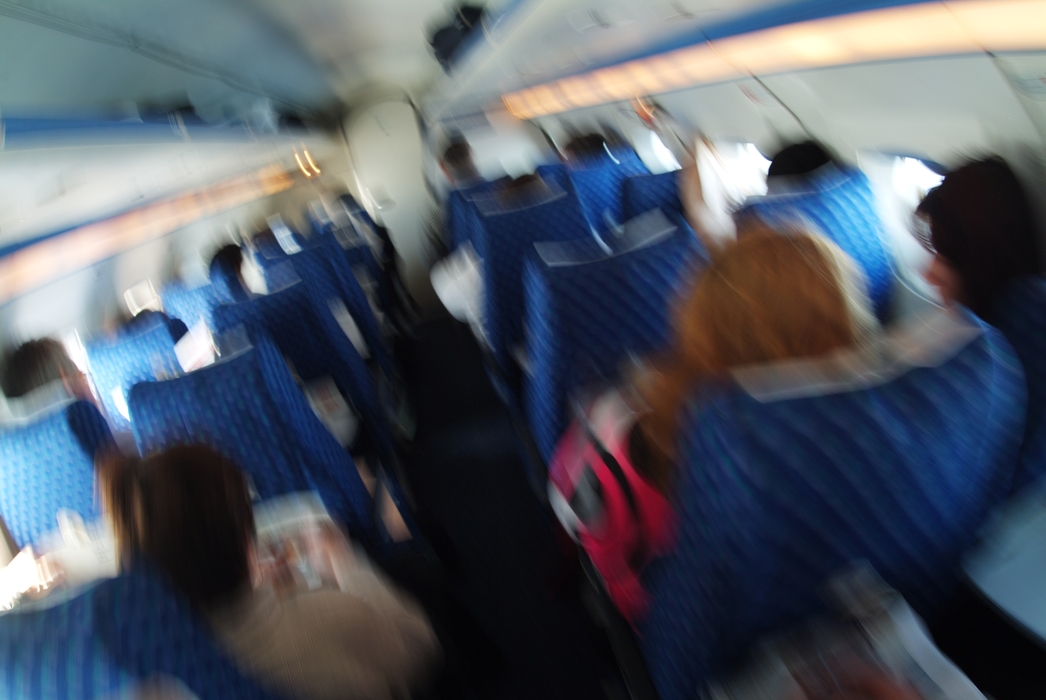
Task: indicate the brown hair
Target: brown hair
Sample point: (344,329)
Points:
(34,364)
(982,224)
(768,296)
(188,510)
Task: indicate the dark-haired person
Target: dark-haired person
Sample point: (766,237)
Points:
(457,164)
(226,272)
(39,363)
(188,511)
(987,257)
(982,233)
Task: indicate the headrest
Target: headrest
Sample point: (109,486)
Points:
(45,399)
(926,339)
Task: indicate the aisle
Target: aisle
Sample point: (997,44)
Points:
(465,469)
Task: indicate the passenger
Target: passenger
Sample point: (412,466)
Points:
(458,166)
(797,160)
(226,272)
(766,297)
(40,363)
(983,234)
(588,147)
(987,258)
(188,511)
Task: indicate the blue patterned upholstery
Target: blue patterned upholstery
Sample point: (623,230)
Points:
(124,362)
(1021,316)
(840,204)
(48,464)
(150,630)
(600,190)
(249,408)
(645,192)
(275,265)
(461,218)
(776,494)
(191,304)
(104,638)
(583,320)
(305,330)
(56,653)
(324,269)
(502,243)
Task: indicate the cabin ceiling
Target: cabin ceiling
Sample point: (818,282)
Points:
(223,56)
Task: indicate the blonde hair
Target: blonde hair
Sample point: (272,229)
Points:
(768,296)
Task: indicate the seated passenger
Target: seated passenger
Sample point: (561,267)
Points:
(766,297)
(188,511)
(43,365)
(226,272)
(458,166)
(987,258)
(982,232)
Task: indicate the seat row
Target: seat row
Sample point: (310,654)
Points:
(250,406)
(896,458)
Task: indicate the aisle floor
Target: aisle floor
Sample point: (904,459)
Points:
(512,573)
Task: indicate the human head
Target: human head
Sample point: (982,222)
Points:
(983,233)
(586,147)
(188,510)
(228,259)
(457,161)
(799,159)
(39,362)
(768,296)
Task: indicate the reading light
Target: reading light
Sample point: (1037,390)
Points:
(301,166)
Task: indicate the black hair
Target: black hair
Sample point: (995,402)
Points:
(799,159)
(34,364)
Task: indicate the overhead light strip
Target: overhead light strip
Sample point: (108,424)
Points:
(911,31)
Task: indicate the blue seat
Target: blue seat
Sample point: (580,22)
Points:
(1021,316)
(102,639)
(783,482)
(249,408)
(48,464)
(460,216)
(584,319)
(839,203)
(121,363)
(502,243)
(190,304)
(600,191)
(642,193)
(324,269)
(305,330)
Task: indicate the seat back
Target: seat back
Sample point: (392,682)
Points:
(502,243)
(48,464)
(306,332)
(461,217)
(117,365)
(249,408)
(52,649)
(802,469)
(1021,316)
(641,193)
(97,641)
(190,304)
(839,203)
(600,191)
(584,319)
(323,267)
